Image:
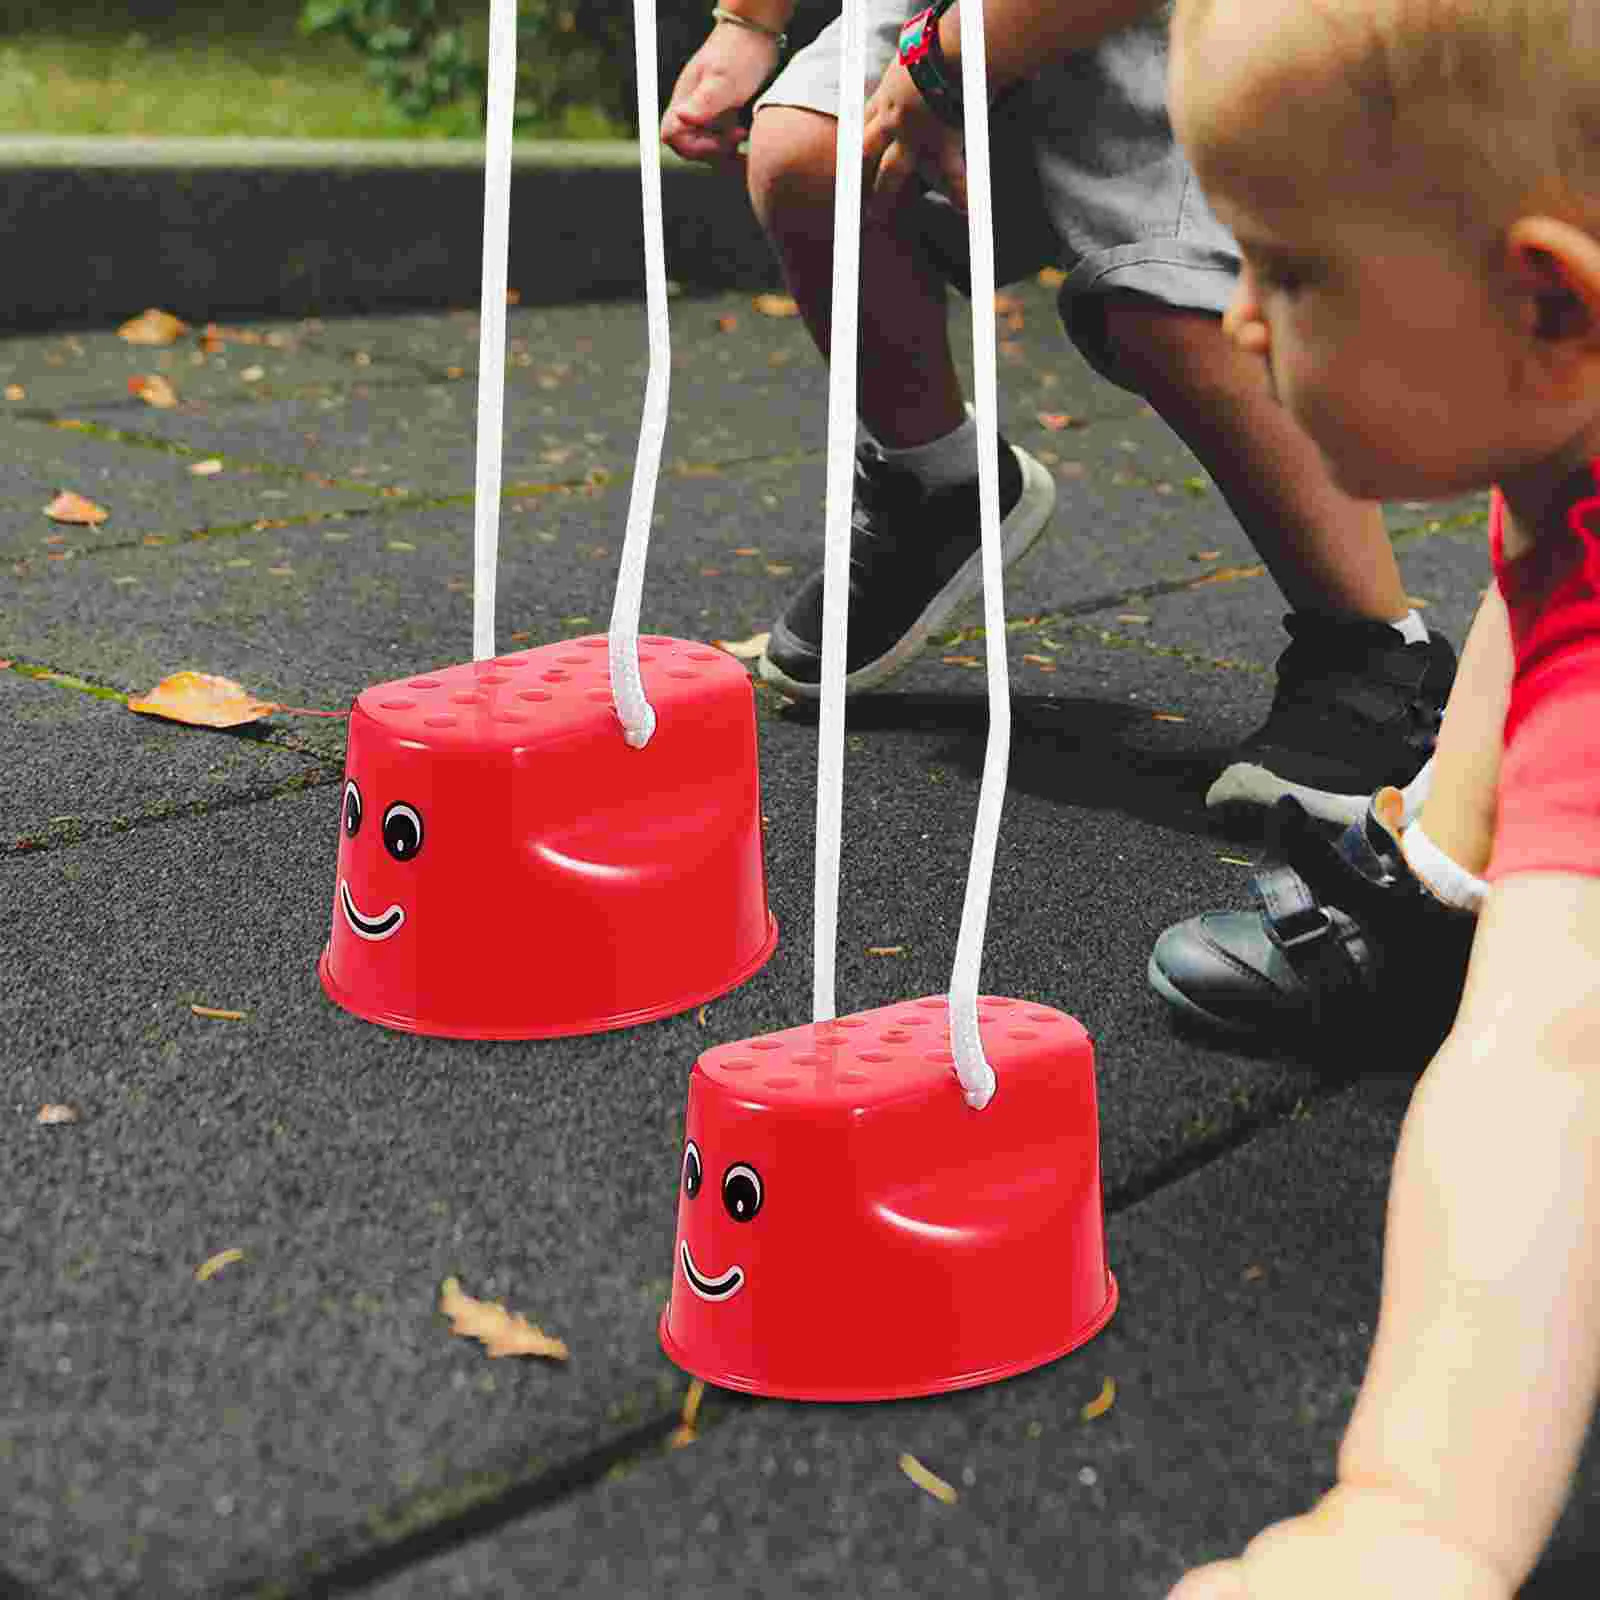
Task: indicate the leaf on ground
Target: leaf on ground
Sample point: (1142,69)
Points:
(217,1014)
(153,327)
(1058,421)
(202,700)
(209,1268)
(1050,277)
(54,1114)
(776,305)
(15,391)
(208,468)
(1206,555)
(501,1332)
(935,1485)
(1132,616)
(154,390)
(74,509)
(886,950)
(1101,1403)
(685,1432)
(1236,861)
(1166,716)
(727,323)
(750,649)
(961,661)
(1228,575)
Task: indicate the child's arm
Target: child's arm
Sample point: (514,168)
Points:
(1486,1365)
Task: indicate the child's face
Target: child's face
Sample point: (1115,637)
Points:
(1382,338)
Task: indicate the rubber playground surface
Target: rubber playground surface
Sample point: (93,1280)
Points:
(226,1369)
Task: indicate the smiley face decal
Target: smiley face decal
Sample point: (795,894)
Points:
(402,838)
(742,1197)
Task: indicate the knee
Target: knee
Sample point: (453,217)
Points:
(790,169)
(1154,347)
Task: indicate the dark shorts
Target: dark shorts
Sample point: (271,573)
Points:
(1086,175)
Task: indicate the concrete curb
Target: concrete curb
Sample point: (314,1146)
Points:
(214,228)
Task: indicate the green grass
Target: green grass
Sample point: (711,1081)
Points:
(179,69)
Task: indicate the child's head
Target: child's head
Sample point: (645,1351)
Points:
(1415,185)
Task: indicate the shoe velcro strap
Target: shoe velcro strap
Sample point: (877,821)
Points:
(1327,950)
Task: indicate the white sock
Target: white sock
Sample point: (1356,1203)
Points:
(1411,628)
(1445,878)
(952,459)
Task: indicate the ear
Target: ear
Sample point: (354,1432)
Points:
(1555,268)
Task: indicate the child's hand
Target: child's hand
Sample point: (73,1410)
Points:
(1358,1544)
(724,75)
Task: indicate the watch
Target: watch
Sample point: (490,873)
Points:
(923,57)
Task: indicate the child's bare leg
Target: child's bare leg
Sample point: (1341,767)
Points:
(908,389)
(1458,815)
(1325,551)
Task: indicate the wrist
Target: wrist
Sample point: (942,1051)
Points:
(765,19)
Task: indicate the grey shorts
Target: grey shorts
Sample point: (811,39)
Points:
(1086,175)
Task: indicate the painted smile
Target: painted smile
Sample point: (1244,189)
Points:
(723,1288)
(373,928)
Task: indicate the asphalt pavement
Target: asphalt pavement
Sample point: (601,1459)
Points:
(226,1371)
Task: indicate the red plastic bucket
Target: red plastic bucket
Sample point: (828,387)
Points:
(509,868)
(850,1229)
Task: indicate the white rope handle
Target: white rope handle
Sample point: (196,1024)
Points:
(841,493)
(972,1068)
(492,319)
(627,682)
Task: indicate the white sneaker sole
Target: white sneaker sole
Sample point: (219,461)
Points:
(1247,786)
(1019,533)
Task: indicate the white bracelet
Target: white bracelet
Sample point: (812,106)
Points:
(780,39)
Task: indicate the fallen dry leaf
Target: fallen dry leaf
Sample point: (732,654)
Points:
(15,391)
(501,1332)
(750,649)
(252,374)
(153,327)
(701,1014)
(1039,661)
(776,305)
(154,390)
(206,469)
(1132,616)
(1057,421)
(886,950)
(935,1485)
(1206,555)
(54,1113)
(513,297)
(1228,575)
(202,700)
(1166,716)
(1253,1274)
(961,661)
(1101,1403)
(74,509)
(1050,277)
(1236,861)
(685,1432)
(210,1268)
(218,1014)
(747,550)
(727,324)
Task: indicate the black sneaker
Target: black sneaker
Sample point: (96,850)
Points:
(1356,709)
(915,563)
(1343,942)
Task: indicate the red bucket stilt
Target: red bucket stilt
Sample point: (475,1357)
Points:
(510,868)
(850,1229)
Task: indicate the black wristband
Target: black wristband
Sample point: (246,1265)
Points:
(923,57)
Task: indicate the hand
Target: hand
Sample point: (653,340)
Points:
(904,140)
(724,75)
(1358,1544)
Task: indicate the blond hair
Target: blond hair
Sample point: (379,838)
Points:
(1500,97)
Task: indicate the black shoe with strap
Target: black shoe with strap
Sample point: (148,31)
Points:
(915,565)
(1343,942)
(1356,708)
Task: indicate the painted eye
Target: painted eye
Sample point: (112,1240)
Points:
(352,809)
(693,1172)
(741,1192)
(402,831)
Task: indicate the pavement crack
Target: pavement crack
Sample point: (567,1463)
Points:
(523,1499)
